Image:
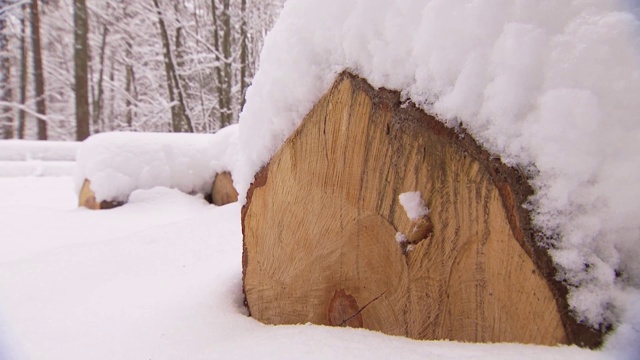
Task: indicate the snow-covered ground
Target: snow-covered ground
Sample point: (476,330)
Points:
(160,278)
(37,158)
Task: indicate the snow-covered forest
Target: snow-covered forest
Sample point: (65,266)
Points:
(153,65)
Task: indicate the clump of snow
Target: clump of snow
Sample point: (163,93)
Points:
(118,163)
(623,343)
(413,205)
(549,86)
(400,238)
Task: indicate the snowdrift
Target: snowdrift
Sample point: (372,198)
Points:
(37,158)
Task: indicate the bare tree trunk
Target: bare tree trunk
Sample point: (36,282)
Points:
(180,120)
(219,78)
(81,63)
(206,123)
(24,71)
(179,57)
(175,115)
(6,93)
(38,69)
(226,52)
(130,86)
(182,85)
(112,98)
(130,78)
(98,100)
(244,62)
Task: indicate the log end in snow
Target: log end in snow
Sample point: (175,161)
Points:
(87,198)
(223,192)
(327,241)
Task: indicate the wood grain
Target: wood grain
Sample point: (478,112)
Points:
(222,191)
(87,198)
(321,219)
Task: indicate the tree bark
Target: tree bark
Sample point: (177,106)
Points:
(24,71)
(227,113)
(326,239)
(38,69)
(98,101)
(220,80)
(180,81)
(112,95)
(130,78)
(180,120)
(244,61)
(130,87)
(6,92)
(81,66)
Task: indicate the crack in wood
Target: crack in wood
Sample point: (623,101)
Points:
(362,309)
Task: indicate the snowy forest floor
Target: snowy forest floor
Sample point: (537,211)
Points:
(160,278)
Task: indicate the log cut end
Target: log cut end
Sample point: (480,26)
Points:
(326,240)
(87,198)
(223,192)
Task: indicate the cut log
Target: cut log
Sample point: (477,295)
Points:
(87,198)
(321,221)
(223,192)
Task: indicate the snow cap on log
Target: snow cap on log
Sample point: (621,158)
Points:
(118,163)
(413,205)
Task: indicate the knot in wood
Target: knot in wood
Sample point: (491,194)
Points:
(421,229)
(344,310)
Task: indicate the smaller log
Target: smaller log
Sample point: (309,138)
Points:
(223,192)
(87,198)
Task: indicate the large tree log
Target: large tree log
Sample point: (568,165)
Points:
(321,221)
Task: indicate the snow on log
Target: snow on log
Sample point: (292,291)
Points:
(112,165)
(87,198)
(327,240)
